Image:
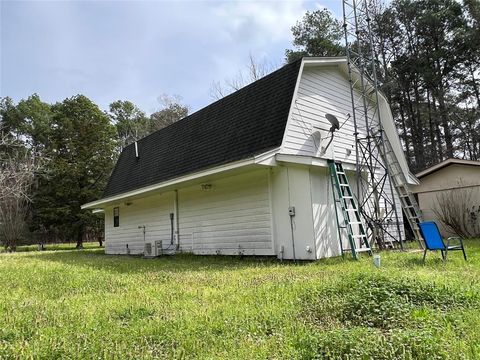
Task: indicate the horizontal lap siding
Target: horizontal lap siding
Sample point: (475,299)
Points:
(153,212)
(321,91)
(234,215)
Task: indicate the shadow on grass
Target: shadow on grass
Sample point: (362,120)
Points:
(97,259)
(418,261)
(53,247)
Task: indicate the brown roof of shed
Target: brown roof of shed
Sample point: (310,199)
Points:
(446,163)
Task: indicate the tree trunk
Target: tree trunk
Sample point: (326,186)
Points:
(405,133)
(437,131)
(80,238)
(443,110)
(416,136)
(431,127)
(419,126)
(475,86)
(446,128)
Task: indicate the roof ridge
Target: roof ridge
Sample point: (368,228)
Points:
(223,98)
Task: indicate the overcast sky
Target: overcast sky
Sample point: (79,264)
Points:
(138,50)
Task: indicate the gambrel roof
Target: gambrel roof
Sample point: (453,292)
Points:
(244,129)
(243,124)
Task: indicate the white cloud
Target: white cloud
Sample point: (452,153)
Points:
(262,22)
(137,50)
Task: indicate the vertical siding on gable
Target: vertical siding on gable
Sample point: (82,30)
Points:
(153,212)
(233,216)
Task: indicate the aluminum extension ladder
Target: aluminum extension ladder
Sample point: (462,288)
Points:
(407,199)
(344,199)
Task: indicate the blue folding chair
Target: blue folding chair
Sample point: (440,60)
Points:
(434,241)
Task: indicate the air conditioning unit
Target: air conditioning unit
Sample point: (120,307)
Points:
(148,250)
(153,250)
(158,248)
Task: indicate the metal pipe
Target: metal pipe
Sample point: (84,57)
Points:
(177,222)
(144,242)
(172,215)
(293,237)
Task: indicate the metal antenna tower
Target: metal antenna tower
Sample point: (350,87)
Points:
(375,191)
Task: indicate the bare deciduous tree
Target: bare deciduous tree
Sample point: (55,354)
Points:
(459,211)
(18,166)
(172,110)
(255,70)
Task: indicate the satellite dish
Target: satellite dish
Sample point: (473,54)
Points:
(333,121)
(317,139)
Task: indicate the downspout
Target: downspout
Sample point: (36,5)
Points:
(177,222)
(291,213)
(172,215)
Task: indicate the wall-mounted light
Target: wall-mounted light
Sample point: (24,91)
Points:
(206,187)
(127,203)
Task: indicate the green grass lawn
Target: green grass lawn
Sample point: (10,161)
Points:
(86,305)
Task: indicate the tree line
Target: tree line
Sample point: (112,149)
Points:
(56,157)
(428,62)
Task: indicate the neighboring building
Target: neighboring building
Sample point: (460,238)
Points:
(451,175)
(222,180)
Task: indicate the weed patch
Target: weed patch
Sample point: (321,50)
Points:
(132,313)
(384,303)
(374,316)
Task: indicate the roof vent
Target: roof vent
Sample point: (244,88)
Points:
(136,150)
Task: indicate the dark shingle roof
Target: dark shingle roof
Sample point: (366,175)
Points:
(245,123)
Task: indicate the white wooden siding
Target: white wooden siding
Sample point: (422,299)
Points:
(153,212)
(325,90)
(324,221)
(321,91)
(233,216)
(291,187)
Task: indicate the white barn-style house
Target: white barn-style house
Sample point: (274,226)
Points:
(247,174)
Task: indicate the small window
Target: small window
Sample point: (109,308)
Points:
(116,217)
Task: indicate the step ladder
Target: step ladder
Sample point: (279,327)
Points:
(407,199)
(344,199)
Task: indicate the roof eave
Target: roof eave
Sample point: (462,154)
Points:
(261,160)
